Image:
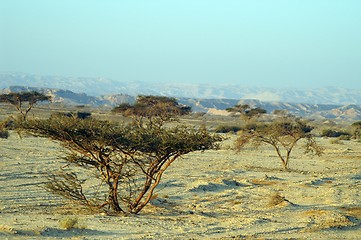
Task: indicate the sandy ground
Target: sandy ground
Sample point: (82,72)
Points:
(211,195)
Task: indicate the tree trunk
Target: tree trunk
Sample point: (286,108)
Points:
(113,196)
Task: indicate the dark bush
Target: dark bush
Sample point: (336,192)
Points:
(226,129)
(79,115)
(334,133)
(4,133)
(83,115)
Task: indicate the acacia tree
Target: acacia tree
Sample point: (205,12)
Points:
(129,160)
(18,100)
(155,109)
(283,134)
(246,112)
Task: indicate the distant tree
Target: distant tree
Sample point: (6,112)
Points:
(156,109)
(246,112)
(18,100)
(280,112)
(283,134)
(127,160)
(356,129)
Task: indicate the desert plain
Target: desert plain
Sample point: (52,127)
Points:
(216,194)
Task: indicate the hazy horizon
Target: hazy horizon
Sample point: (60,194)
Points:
(279,44)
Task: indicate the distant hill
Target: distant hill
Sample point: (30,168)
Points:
(210,106)
(102,86)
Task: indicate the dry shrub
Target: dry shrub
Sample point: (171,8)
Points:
(4,133)
(7,229)
(276,199)
(353,211)
(262,182)
(68,223)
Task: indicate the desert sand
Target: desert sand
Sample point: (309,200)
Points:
(211,195)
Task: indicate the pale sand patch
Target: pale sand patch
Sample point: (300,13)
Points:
(210,195)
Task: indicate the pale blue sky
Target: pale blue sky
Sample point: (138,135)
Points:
(263,43)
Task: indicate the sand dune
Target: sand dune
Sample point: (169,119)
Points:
(212,195)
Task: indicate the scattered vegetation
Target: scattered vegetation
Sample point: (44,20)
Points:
(128,161)
(155,109)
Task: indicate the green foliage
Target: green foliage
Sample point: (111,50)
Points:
(282,134)
(128,160)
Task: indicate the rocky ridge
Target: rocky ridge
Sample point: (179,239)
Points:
(210,106)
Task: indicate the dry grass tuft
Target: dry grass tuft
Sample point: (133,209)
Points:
(262,182)
(277,199)
(68,223)
(352,211)
(7,229)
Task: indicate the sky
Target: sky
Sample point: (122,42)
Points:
(260,43)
